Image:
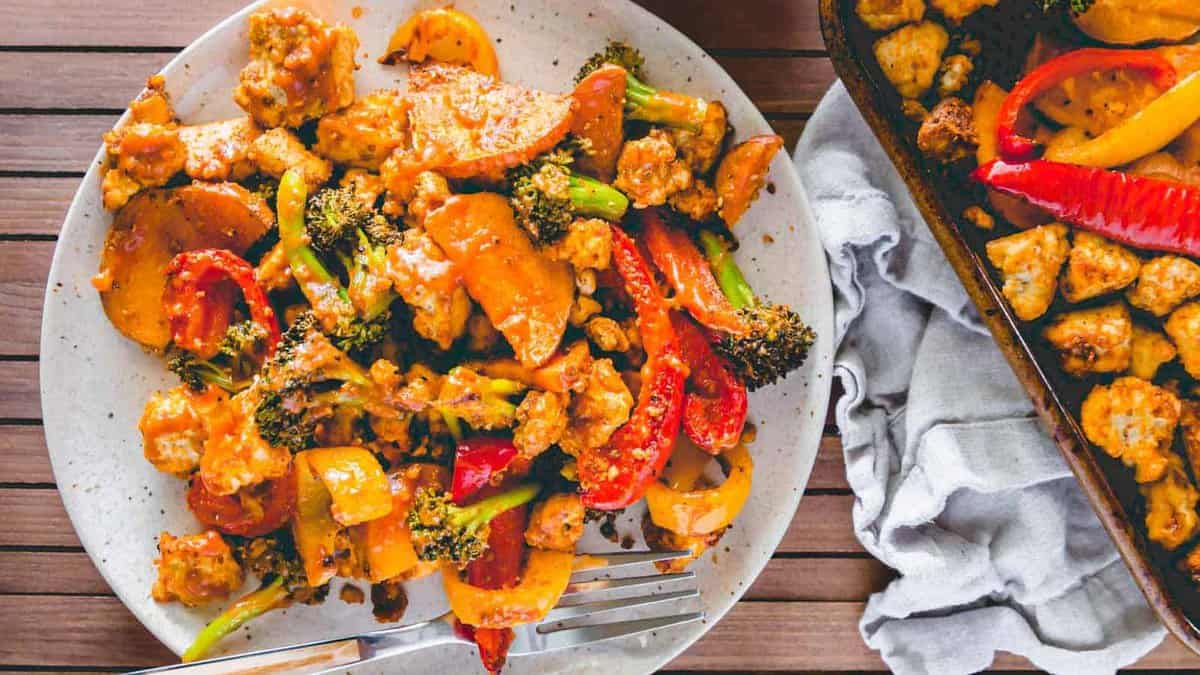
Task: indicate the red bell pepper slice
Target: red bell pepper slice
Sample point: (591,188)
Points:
(689,274)
(616,476)
(715,404)
(499,567)
(1142,212)
(229,513)
(476,461)
(1015,147)
(198,308)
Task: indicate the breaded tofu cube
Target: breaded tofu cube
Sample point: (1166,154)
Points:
(1151,349)
(1163,283)
(957,10)
(1097,266)
(648,170)
(300,68)
(1183,327)
(1189,423)
(910,56)
(278,150)
(1029,262)
(143,151)
(195,569)
(1133,421)
(557,523)
(364,134)
(235,455)
(888,14)
(174,428)
(1171,506)
(366,187)
(219,150)
(1095,340)
(948,133)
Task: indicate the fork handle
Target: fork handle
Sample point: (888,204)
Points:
(316,657)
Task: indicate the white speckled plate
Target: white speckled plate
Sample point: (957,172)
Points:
(95,382)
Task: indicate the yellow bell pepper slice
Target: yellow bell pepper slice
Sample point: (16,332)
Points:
(543,581)
(313,528)
(387,540)
(357,484)
(444,34)
(701,512)
(1148,131)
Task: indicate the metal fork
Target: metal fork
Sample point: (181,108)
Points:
(596,607)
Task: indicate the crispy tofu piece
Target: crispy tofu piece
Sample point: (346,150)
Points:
(1095,340)
(1151,349)
(648,170)
(587,245)
(1164,283)
(174,428)
(195,569)
(467,125)
(367,187)
(556,524)
(1029,262)
(1133,421)
(954,74)
(1189,422)
(888,14)
(910,56)
(948,133)
(541,421)
(1097,266)
(428,282)
(365,133)
(1183,327)
(599,410)
(219,150)
(235,455)
(957,10)
(143,151)
(1171,516)
(699,202)
(300,68)
(278,150)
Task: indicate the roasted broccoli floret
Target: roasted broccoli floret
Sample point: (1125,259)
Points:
(643,102)
(442,530)
(776,341)
(233,367)
(307,381)
(546,196)
(1076,6)
(339,223)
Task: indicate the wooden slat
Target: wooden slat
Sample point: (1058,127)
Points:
(23,457)
(829,471)
(791,579)
(71,572)
(24,266)
(109,80)
(776,24)
(770,636)
(35,205)
(59,143)
(35,517)
(19,395)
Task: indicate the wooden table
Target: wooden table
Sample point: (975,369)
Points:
(67,70)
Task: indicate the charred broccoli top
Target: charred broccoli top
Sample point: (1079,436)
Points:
(643,102)
(776,340)
(546,196)
(617,53)
(232,368)
(442,530)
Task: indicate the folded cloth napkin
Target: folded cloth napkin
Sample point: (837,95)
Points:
(957,486)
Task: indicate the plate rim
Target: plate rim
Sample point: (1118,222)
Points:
(821,313)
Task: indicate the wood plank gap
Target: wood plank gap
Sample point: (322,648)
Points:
(27,237)
(28,486)
(24,548)
(6,173)
(61,111)
(91,49)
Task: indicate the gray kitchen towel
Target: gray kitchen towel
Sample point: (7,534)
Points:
(956,485)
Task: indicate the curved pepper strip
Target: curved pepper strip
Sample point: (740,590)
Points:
(701,512)
(689,274)
(1142,212)
(1015,147)
(543,581)
(476,461)
(715,405)
(617,475)
(359,490)
(1147,132)
(198,309)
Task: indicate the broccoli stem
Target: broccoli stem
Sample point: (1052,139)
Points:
(310,273)
(643,102)
(250,606)
(590,197)
(481,512)
(729,276)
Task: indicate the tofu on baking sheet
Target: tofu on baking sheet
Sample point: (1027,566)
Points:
(1164,283)
(910,56)
(1134,421)
(1097,266)
(1183,327)
(1029,263)
(1088,341)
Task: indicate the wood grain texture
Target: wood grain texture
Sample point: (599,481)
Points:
(19,394)
(771,24)
(23,457)
(23,270)
(34,206)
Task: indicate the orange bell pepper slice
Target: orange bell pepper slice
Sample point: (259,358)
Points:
(313,528)
(701,512)
(359,488)
(543,581)
(446,35)
(387,541)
